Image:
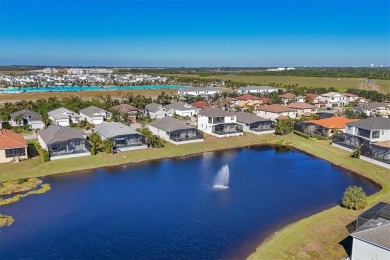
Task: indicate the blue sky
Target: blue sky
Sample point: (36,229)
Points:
(195,32)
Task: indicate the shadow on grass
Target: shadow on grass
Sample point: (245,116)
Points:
(347,242)
(32,151)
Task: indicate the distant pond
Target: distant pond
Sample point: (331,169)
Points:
(168,209)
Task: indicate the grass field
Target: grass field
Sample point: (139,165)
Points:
(342,84)
(315,237)
(83,94)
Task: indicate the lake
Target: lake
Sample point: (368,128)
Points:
(168,209)
(43,89)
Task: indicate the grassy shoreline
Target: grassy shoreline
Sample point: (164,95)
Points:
(301,239)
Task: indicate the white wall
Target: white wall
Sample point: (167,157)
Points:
(273,116)
(41,142)
(36,125)
(204,125)
(362,250)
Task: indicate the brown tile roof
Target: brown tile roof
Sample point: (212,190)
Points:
(333,122)
(9,139)
(282,117)
(311,96)
(349,95)
(125,108)
(301,105)
(248,97)
(276,108)
(288,95)
(199,104)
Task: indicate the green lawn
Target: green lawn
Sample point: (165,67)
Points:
(342,84)
(316,237)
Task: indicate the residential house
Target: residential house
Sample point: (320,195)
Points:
(375,109)
(256,90)
(371,136)
(248,101)
(288,98)
(323,127)
(230,103)
(157,111)
(371,237)
(63,116)
(175,131)
(276,111)
(124,137)
(374,129)
(27,118)
(303,109)
(350,97)
(219,123)
(312,98)
(333,99)
(199,104)
(182,109)
(255,124)
(13,147)
(198,91)
(63,142)
(131,113)
(95,115)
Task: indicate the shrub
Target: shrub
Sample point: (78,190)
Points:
(45,156)
(21,181)
(354,198)
(356,153)
(301,134)
(93,150)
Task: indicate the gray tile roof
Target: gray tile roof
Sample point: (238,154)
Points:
(374,105)
(92,110)
(112,129)
(248,118)
(169,124)
(27,114)
(153,107)
(181,106)
(372,123)
(56,133)
(378,235)
(62,113)
(215,112)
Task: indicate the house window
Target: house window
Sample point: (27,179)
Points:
(76,142)
(232,118)
(15,152)
(375,134)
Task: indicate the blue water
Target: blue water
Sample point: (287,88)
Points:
(42,89)
(168,210)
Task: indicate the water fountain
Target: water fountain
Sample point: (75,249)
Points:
(221,181)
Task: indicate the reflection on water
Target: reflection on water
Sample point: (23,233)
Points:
(168,209)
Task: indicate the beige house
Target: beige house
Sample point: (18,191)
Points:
(303,109)
(13,147)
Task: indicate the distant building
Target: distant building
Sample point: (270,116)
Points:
(182,109)
(27,118)
(157,111)
(276,111)
(334,99)
(198,91)
(126,110)
(94,115)
(256,90)
(303,109)
(63,116)
(199,104)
